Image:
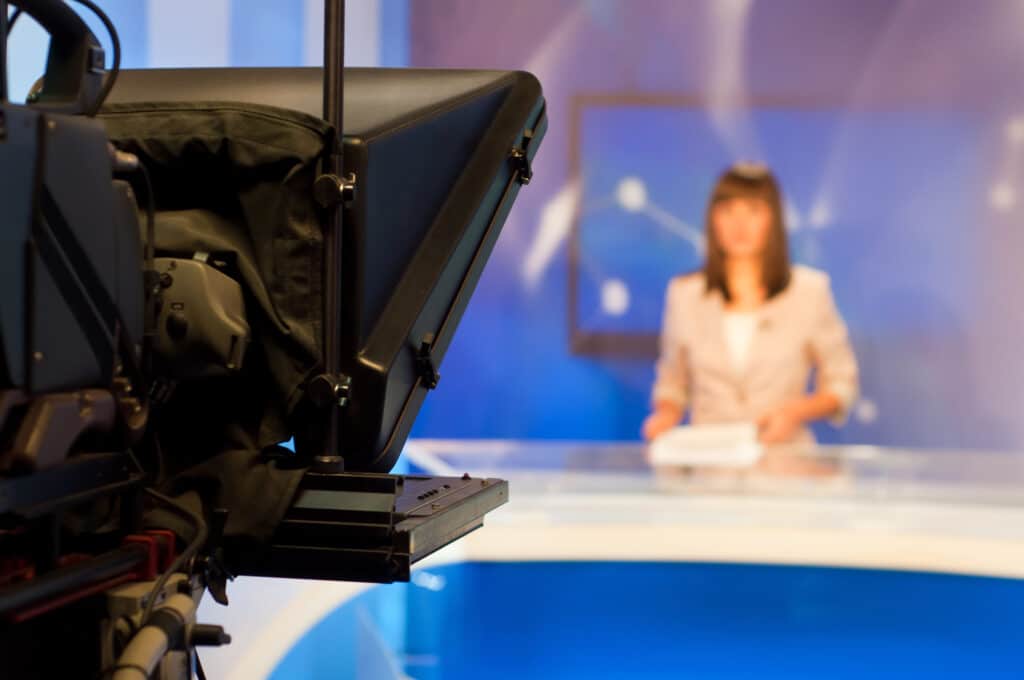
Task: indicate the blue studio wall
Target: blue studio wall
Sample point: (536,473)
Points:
(178,33)
(896,129)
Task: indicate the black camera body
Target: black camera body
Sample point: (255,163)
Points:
(71,397)
(70,254)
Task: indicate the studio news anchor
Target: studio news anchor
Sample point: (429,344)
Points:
(741,339)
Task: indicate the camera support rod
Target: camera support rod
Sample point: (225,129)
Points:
(3,51)
(334,92)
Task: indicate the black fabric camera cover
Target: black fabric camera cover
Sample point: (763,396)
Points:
(438,156)
(237,180)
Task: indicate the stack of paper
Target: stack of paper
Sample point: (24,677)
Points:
(732,445)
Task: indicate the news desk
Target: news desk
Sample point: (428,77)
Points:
(849,511)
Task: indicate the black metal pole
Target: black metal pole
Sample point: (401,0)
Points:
(334,68)
(3,51)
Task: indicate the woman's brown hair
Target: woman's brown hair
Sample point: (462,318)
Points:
(749,181)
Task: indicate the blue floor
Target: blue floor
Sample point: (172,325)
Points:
(669,620)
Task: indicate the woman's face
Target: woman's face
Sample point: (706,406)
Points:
(742,226)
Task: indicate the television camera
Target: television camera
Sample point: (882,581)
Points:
(196,268)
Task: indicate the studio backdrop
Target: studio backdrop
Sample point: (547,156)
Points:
(897,131)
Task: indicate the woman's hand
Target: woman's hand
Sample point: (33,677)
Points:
(779,426)
(664,418)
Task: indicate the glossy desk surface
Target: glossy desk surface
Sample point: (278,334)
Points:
(859,506)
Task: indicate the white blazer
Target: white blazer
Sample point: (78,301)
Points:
(798,331)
